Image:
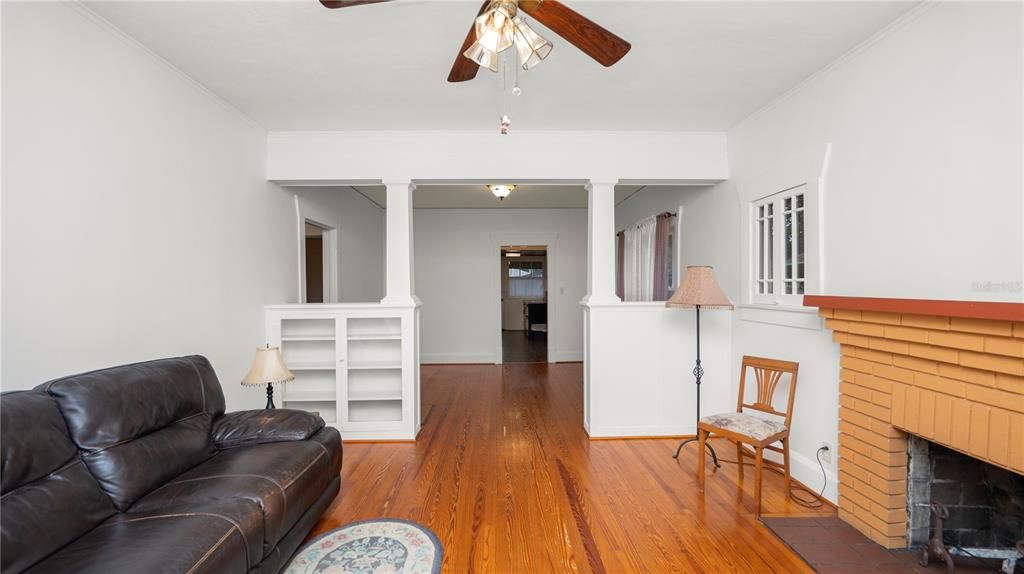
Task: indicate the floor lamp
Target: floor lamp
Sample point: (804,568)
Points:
(699,290)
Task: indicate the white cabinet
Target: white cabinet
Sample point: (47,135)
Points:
(354,364)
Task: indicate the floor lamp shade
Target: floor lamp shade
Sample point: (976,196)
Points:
(699,289)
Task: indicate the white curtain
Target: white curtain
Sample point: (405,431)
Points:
(638,260)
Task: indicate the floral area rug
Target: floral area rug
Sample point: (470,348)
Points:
(383,546)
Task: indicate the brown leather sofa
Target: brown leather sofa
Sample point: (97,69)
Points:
(137,469)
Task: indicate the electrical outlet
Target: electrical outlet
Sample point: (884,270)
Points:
(827,455)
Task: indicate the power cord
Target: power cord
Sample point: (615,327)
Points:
(812,504)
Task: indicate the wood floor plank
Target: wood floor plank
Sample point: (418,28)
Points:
(506,477)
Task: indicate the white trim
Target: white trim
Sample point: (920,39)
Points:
(822,179)
(774,227)
(785,316)
(565,356)
(806,470)
(316,308)
(636,431)
(306,212)
(550,243)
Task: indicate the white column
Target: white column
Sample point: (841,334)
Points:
(601,243)
(399,243)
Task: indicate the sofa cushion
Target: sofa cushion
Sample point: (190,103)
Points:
(244,428)
(209,538)
(48,497)
(284,479)
(140,425)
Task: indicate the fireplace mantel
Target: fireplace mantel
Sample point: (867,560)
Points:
(951,372)
(991,310)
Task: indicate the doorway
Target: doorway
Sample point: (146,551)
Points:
(524,304)
(316,262)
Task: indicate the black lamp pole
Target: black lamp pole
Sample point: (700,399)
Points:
(698,372)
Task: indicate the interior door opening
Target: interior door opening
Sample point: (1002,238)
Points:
(524,304)
(315,262)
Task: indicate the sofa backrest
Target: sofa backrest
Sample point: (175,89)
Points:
(138,426)
(47,497)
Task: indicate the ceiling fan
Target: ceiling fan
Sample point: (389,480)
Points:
(498,26)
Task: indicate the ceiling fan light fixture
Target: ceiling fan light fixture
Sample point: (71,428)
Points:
(501,191)
(482,56)
(495,29)
(531,46)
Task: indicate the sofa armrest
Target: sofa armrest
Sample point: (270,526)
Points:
(244,428)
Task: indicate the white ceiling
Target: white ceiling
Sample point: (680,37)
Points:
(479,197)
(696,66)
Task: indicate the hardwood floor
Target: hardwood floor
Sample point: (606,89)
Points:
(506,477)
(517,348)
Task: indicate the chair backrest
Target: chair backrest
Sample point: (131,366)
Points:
(768,374)
(537,312)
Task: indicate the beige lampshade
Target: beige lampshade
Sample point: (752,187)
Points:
(268,367)
(699,288)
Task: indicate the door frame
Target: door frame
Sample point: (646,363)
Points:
(550,243)
(304,213)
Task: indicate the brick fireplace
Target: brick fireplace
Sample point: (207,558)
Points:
(948,372)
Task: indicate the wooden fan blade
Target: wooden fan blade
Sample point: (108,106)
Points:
(593,40)
(348,3)
(465,69)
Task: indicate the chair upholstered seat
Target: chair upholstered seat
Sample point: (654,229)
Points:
(744,424)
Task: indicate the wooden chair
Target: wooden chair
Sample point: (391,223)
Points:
(759,432)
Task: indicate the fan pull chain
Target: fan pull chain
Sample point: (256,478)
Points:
(516,90)
(506,122)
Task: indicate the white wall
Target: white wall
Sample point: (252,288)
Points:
(458,279)
(922,196)
(360,226)
(137,222)
(640,360)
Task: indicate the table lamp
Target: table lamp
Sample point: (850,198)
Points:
(268,368)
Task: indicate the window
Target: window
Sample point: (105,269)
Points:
(526,279)
(779,242)
(645,259)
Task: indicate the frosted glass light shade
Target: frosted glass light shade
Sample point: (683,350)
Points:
(268,367)
(531,46)
(495,29)
(501,191)
(482,56)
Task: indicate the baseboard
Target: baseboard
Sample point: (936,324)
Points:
(640,431)
(490,359)
(567,356)
(807,471)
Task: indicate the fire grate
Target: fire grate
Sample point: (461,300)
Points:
(936,546)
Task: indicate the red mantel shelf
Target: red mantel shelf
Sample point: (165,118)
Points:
(993,310)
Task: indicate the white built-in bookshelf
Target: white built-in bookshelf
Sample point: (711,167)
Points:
(354,364)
